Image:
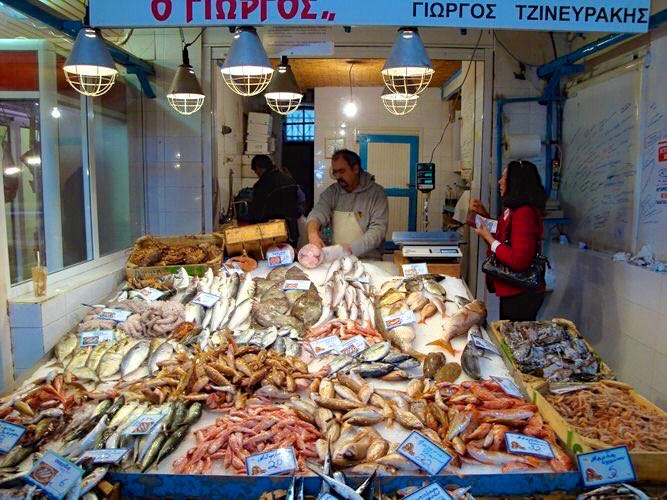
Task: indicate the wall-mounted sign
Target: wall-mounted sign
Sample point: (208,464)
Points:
(553,15)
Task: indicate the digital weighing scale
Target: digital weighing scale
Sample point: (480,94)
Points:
(431,252)
(439,250)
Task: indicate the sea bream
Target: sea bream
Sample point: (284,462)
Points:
(473,314)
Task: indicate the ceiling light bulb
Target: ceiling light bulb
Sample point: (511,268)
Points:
(247,70)
(408,69)
(12,170)
(185,94)
(350,109)
(55,113)
(283,95)
(89,68)
(343,125)
(342,132)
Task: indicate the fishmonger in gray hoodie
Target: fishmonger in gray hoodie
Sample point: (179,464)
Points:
(367,201)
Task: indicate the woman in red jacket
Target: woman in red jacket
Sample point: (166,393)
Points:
(520,224)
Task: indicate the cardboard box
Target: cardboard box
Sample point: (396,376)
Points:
(258,138)
(649,465)
(259,118)
(258,148)
(260,129)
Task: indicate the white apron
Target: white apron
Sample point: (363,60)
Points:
(345,228)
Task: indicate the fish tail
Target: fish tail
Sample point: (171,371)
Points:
(417,355)
(445,344)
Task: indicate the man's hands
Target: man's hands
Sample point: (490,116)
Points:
(347,248)
(314,239)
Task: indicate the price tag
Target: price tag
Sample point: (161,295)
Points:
(117,315)
(508,386)
(9,435)
(483,344)
(425,453)
(55,475)
(106,456)
(296,285)
(564,389)
(143,424)
(491,224)
(233,268)
(404,318)
(151,294)
(95,337)
(206,299)
(431,492)
(326,345)
(354,346)
(279,258)
(271,462)
(412,270)
(364,279)
(612,465)
(527,445)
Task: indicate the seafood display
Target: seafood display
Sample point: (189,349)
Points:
(232,364)
(240,432)
(157,253)
(547,349)
(596,412)
(347,293)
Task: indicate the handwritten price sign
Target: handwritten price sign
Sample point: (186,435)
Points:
(271,462)
(431,492)
(117,315)
(526,445)
(326,345)
(105,456)
(55,475)
(279,258)
(144,424)
(425,453)
(150,294)
(404,318)
(91,339)
(354,346)
(9,435)
(206,300)
(606,466)
(296,285)
(412,270)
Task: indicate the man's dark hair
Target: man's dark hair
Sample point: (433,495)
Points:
(524,186)
(350,157)
(263,162)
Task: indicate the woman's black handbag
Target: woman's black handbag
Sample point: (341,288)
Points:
(531,278)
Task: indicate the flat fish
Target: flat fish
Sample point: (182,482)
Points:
(308,308)
(277,273)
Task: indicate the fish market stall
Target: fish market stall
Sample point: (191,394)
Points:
(340,368)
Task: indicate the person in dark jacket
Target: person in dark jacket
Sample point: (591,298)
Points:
(520,224)
(275,196)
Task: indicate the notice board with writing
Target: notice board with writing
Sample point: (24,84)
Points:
(601,133)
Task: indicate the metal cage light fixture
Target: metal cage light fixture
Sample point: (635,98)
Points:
(408,69)
(89,68)
(185,94)
(399,104)
(283,94)
(247,70)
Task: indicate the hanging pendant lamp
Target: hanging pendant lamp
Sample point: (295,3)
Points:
(408,69)
(399,104)
(247,70)
(185,94)
(89,68)
(33,157)
(283,95)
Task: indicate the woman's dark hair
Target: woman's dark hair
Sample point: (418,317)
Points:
(524,186)
(350,157)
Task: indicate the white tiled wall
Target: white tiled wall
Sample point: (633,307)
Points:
(620,309)
(36,327)
(426,121)
(172,142)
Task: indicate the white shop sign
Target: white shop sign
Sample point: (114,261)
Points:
(551,15)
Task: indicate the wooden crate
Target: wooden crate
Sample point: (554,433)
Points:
(528,380)
(649,466)
(132,271)
(255,239)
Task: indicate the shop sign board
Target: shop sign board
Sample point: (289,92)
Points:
(621,16)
